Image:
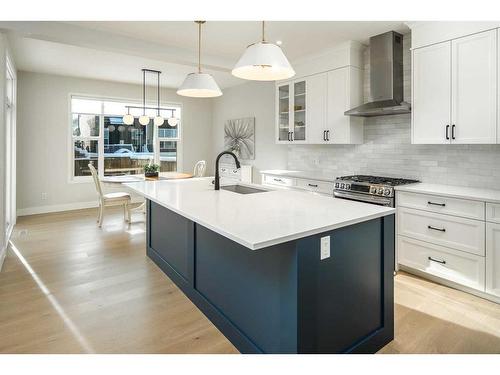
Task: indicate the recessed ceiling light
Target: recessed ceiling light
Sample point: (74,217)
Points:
(279,42)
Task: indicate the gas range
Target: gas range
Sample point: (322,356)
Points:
(371,189)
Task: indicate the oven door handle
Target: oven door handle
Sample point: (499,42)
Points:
(364,198)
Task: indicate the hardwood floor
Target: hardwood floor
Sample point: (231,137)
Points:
(69,287)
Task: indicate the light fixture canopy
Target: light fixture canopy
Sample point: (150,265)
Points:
(198,84)
(263,61)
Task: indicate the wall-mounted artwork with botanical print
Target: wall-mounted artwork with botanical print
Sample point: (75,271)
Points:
(239,137)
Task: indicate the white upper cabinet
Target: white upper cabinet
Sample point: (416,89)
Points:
(474,88)
(431,83)
(316,107)
(454,87)
(345,91)
(311,110)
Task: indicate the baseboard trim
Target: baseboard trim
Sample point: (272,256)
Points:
(62,207)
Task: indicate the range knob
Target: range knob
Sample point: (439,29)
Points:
(380,191)
(387,192)
(373,190)
(347,186)
(342,186)
(336,185)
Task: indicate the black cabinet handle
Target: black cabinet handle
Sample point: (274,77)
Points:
(289,140)
(447,131)
(278,179)
(312,185)
(324,135)
(328,135)
(438,229)
(453,131)
(291,136)
(436,260)
(436,204)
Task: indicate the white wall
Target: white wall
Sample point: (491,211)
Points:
(251,99)
(43,129)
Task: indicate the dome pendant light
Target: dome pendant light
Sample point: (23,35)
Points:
(144,120)
(198,84)
(263,61)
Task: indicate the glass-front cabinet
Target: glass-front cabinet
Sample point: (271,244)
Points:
(291,111)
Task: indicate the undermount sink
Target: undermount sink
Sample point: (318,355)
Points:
(240,189)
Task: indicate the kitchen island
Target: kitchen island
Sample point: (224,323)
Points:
(277,271)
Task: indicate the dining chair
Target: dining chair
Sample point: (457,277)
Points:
(199,168)
(110,199)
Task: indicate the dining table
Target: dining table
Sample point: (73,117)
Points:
(123,179)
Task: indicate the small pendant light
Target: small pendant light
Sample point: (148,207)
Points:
(158,120)
(144,120)
(263,61)
(128,119)
(198,84)
(172,120)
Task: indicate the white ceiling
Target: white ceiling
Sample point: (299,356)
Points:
(117,50)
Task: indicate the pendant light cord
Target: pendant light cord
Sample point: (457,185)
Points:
(199,47)
(158,93)
(143,92)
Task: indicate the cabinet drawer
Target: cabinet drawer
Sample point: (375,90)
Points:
(317,186)
(493,212)
(443,205)
(457,266)
(451,231)
(279,181)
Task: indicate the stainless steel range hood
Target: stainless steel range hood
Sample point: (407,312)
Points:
(386,78)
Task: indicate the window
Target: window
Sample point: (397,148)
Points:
(100,137)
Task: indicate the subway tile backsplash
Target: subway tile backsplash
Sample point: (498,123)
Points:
(387,151)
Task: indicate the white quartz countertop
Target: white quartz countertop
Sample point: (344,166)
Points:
(478,194)
(300,174)
(256,220)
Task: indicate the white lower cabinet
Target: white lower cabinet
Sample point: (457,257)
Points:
(455,232)
(493,259)
(453,265)
(452,239)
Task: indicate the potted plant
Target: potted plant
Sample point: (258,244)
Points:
(151,170)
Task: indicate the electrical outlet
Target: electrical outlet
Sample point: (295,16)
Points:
(44,196)
(325,248)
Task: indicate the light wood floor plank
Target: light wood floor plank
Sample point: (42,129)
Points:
(84,289)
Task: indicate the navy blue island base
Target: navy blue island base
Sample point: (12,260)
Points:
(283,298)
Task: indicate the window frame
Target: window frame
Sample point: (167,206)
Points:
(100,139)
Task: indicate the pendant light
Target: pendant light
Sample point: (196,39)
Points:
(144,120)
(128,119)
(198,84)
(172,120)
(263,61)
(158,120)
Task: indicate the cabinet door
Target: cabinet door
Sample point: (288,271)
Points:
(283,118)
(316,100)
(493,258)
(431,97)
(299,110)
(474,88)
